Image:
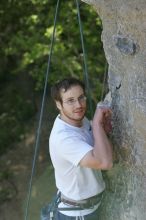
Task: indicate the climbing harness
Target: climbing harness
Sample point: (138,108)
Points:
(48,212)
(50,209)
(83,204)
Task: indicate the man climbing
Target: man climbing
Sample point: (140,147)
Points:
(78,152)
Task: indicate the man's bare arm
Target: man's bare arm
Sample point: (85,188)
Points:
(101,155)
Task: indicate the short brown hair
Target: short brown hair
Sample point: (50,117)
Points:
(65,84)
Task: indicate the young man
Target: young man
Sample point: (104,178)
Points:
(78,152)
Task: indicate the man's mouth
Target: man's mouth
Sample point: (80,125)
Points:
(79,111)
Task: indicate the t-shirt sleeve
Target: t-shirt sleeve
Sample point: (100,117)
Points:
(73,148)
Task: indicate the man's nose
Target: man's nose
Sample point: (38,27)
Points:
(77,103)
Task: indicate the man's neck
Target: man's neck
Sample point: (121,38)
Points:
(76,123)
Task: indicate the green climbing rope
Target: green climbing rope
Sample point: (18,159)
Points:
(85,62)
(41,113)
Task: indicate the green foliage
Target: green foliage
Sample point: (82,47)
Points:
(14,113)
(7,189)
(26,42)
(26,31)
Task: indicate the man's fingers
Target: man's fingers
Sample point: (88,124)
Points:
(107,112)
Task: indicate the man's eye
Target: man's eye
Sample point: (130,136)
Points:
(71,101)
(82,98)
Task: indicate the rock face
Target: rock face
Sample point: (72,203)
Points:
(124,40)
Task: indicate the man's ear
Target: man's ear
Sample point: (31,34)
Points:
(58,105)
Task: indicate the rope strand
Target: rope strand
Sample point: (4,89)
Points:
(41,114)
(85,60)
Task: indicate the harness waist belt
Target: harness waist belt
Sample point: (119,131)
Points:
(86,203)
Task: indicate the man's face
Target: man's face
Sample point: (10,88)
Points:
(73,106)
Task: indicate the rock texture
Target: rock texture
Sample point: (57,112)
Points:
(124,40)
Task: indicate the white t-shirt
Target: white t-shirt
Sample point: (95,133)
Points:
(68,145)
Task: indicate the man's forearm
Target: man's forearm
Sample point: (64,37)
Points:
(102,147)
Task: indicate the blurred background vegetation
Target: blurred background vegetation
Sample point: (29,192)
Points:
(25,34)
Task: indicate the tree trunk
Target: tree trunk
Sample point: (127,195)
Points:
(124,40)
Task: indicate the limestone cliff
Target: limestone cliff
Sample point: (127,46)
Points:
(124,40)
